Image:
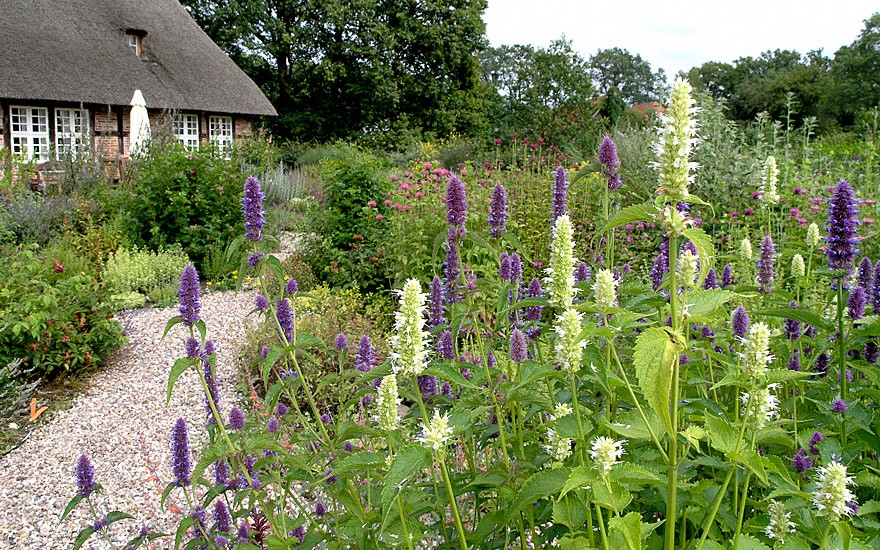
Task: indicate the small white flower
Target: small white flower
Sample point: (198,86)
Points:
(559,447)
(832,492)
(436,435)
(764,406)
(409,343)
(798,268)
(812,235)
(562,409)
(769,178)
(569,345)
(606,452)
(605,290)
(780,525)
(387,402)
(745,250)
(756,350)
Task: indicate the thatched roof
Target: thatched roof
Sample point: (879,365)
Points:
(78,51)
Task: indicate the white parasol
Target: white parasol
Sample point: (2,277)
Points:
(140,124)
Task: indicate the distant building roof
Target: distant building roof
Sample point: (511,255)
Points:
(650,108)
(78,51)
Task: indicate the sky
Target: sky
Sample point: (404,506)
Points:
(679,34)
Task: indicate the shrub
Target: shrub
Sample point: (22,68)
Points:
(143,270)
(190,199)
(54,324)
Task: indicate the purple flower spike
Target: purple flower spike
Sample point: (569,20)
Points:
(243,532)
(610,162)
(498,212)
(193,348)
(726,276)
(582,273)
(872,352)
(320,509)
(866,276)
(180,454)
(456,203)
(838,406)
(273,425)
(453,269)
(822,365)
(363,361)
(285,318)
(740,322)
(516,271)
(221,472)
(875,295)
(428,386)
(85,476)
(795,362)
(792,327)
(236,419)
(518,350)
(711,280)
(446,347)
(281,409)
(252,209)
(341,342)
(254,259)
(504,270)
(855,306)
(188,293)
(814,440)
(291,286)
(436,309)
(222,518)
(560,188)
(261,303)
(801,462)
(842,226)
(766,263)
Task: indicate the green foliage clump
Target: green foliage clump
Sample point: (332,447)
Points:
(54,322)
(132,273)
(191,199)
(346,250)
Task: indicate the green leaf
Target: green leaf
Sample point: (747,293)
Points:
(82,537)
(630,526)
(406,462)
(705,249)
(722,436)
(360,462)
(541,485)
(70,506)
(579,478)
(653,360)
(748,542)
(569,511)
(616,499)
(170,324)
(577,543)
(844,532)
(179,367)
(116,515)
(443,371)
(702,305)
(630,214)
(798,314)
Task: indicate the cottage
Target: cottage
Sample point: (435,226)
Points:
(69,70)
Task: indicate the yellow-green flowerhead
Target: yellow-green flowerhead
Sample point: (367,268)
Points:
(569,345)
(745,250)
(436,435)
(813,235)
(798,268)
(606,452)
(763,406)
(410,352)
(605,290)
(560,273)
(769,179)
(832,492)
(780,525)
(688,268)
(756,350)
(677,138)
(387,403)
(558,447)
(562,410)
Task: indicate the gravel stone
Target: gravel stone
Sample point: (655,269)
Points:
(122,422)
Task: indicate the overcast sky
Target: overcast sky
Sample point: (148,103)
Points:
(680,34)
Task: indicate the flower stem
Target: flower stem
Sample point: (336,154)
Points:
(455,515)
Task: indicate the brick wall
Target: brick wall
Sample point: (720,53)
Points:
(2,127)
(106,139)
(243,126)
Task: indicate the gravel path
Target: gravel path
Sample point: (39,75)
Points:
(122,423)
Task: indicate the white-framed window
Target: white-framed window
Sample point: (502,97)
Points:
(71,132)
(186,130)
(220,132)
(30,132)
